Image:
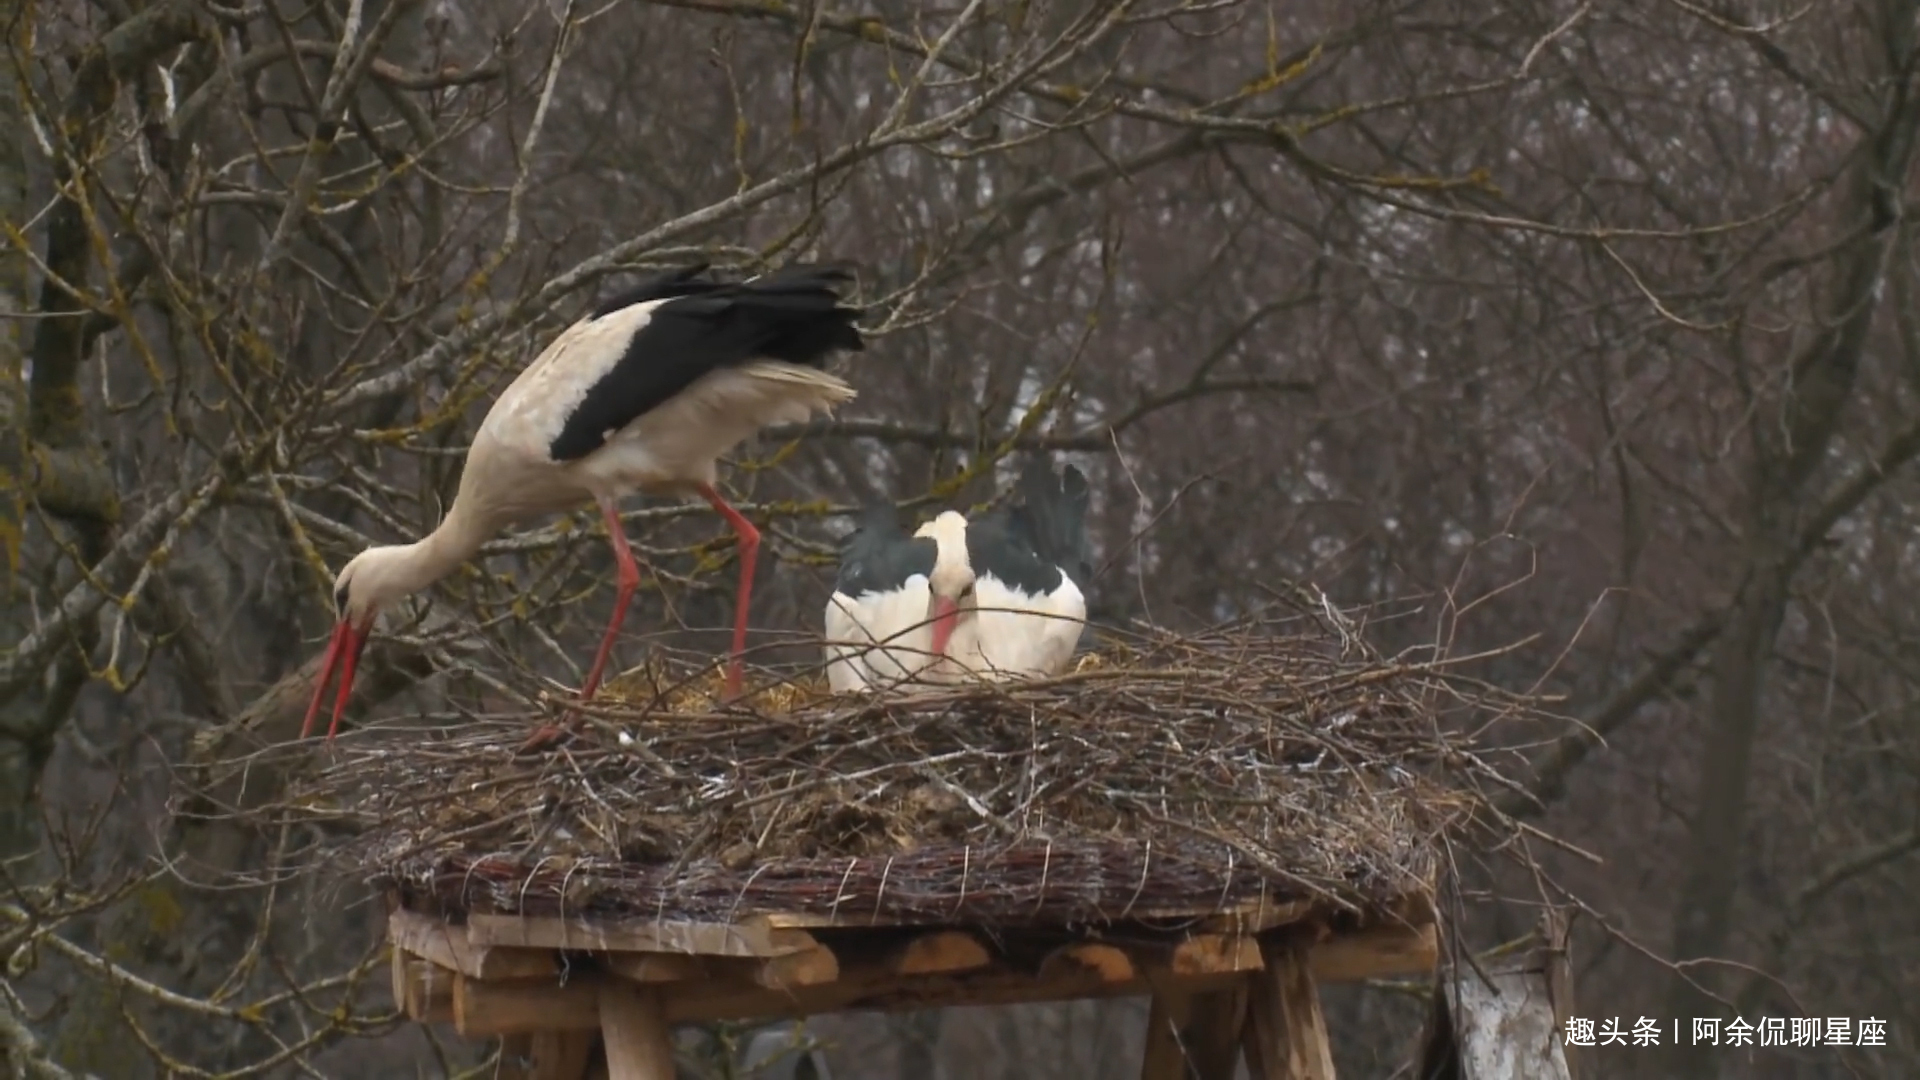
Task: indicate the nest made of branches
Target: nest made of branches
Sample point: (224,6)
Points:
(1263,764)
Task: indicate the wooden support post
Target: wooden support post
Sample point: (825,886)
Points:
(397,975)
(1286,1036)
(1504,1021)
(1212,1036)
(660,935)
(635,1031)
(545,1055)
(447,946)
(1166,1058)
(561,1055)
(516,1054)
(1194,1036)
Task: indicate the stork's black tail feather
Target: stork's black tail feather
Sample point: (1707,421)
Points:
(802,300)
(685,281)
(1052,512)
(794,312)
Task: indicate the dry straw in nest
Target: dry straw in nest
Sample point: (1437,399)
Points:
(1172,773)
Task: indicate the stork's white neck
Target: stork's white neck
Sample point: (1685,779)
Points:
(381,575)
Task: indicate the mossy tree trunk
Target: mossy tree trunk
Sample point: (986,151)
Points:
(16,823)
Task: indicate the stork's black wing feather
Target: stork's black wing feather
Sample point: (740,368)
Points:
(879,556)
(1050,514)
(701,326)
(998,546)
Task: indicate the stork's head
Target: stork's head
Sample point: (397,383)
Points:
(378,578)
(952,579)
(367,585)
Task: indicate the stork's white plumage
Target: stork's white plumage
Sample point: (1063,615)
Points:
(997,597)
(643,395)
(1011,633)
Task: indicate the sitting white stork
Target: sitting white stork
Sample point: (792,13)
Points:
(996,597)
(886,595)
(1028,608)
(644,394)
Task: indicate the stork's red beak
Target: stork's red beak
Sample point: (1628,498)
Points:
(343,652)
(945,613)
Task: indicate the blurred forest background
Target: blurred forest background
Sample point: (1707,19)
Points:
(1586,325)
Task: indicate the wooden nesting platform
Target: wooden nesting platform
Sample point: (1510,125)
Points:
(580,999)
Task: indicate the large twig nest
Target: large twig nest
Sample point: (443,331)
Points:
(1172,773)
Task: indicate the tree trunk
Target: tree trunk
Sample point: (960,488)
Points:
(1787,454)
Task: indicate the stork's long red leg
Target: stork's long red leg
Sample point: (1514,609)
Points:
(629,580)
(749,555)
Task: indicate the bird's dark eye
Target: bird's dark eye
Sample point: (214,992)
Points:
(966,592)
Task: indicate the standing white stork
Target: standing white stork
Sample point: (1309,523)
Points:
(642,395)
(1000,596)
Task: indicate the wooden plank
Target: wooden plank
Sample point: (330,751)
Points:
(813,920)
(660,936)
(1285,1035)
(701,1003)
(634,1028)
(1253,918)
(1376,953)
(1105,962)
(663,967)
(1165,1058)
(810,968)
(719,988)
(525,1006)
(940,952)
(447,945)
(1244,918)
(423,991)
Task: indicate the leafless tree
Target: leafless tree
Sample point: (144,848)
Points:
(1587,321)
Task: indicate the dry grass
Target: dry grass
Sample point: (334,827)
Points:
(1282,761)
